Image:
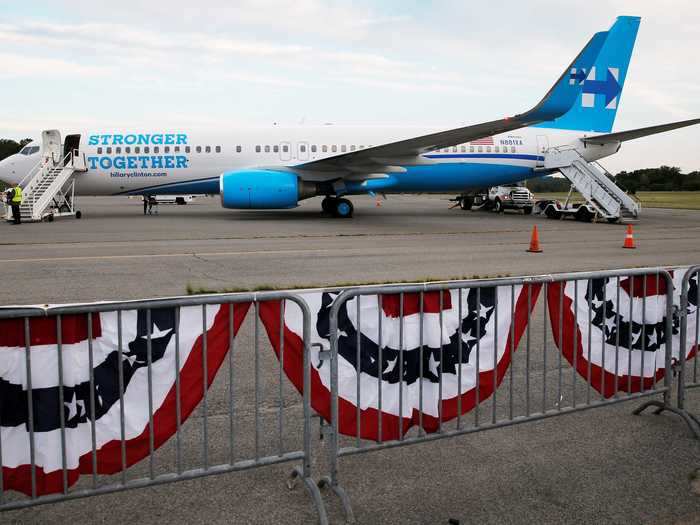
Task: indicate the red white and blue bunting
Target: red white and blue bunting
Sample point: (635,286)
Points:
(77,392)
(421,370)
(623,348)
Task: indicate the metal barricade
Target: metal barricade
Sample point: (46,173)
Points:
(544,385)
(257,432)
(689,310)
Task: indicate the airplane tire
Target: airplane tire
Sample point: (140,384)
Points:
(498,206)
(343,209)
(466,203)
(78,214)
(527,210)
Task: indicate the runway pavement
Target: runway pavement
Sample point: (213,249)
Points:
(598,466)
(115,252)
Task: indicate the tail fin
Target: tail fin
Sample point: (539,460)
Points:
(602,84)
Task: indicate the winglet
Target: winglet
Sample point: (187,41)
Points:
(564,93)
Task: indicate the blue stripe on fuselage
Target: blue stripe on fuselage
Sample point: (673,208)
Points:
(441,176)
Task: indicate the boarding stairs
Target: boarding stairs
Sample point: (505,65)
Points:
(594,184)
(48,189)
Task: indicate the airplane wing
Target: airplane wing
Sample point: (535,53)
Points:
(555,103)
(622,136)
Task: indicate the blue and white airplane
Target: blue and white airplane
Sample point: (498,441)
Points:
(276,167)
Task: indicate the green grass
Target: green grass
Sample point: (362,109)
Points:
(681,200)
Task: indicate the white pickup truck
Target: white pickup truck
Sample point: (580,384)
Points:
(499,198)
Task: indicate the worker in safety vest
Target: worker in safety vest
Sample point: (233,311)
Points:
(15,203)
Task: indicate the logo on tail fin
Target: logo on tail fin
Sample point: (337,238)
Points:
(608,88)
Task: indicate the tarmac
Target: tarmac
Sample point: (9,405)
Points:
(600,466)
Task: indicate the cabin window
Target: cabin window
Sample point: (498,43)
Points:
(187,149)
(463,149)
(324,148)
(257,149)
(146,149)
(267,149)
(176,149)
(199,149)
(137,149)
(302,148)
(207,149)
(99,151)
(118,150)
(238,149)
(156,149)
(361,147)
(471,149)
(218,149)
(352,148)
(127,149)
(334,148)
(454,149)
(285,148)
(166,149)
(481,148)
(109,151)
(512,149)
(343,148)
(276,148)
(488,149)
(313,148)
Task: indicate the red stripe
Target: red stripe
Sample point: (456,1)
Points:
(635,286)
(43,330)
(391,304)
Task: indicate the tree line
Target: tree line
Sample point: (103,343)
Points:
(663,178)
(10,147)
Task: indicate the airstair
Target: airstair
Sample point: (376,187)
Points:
(605,198)
(48,190)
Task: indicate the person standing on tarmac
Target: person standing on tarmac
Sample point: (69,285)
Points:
(145,203)
(15,200)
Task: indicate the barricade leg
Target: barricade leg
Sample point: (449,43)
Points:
(675,369)
(331,431)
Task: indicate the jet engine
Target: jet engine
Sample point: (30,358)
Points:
(263,189)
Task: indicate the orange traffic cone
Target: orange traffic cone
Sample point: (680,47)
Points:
(534,241)
(629,238)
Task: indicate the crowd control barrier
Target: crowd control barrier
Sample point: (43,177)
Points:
(104,397)
(690,334)
(442,360)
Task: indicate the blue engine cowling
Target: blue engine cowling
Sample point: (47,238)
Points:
(262,189)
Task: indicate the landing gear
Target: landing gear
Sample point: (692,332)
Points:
(340,208)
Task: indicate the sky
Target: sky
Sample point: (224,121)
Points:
(84,65)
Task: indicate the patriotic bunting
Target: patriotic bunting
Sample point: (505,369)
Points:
(623,349)
(425,380)
(77,393)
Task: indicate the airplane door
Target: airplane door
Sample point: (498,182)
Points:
(303,151)
(285,151)
(51,144)
(542,147)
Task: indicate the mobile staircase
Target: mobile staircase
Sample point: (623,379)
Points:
(49,188)
(604,198)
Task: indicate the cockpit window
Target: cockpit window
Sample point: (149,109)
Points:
(29,150)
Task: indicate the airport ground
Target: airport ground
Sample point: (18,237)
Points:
(598,466)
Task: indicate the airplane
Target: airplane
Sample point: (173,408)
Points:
(276,167)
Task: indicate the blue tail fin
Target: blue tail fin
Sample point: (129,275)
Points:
(602,84)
